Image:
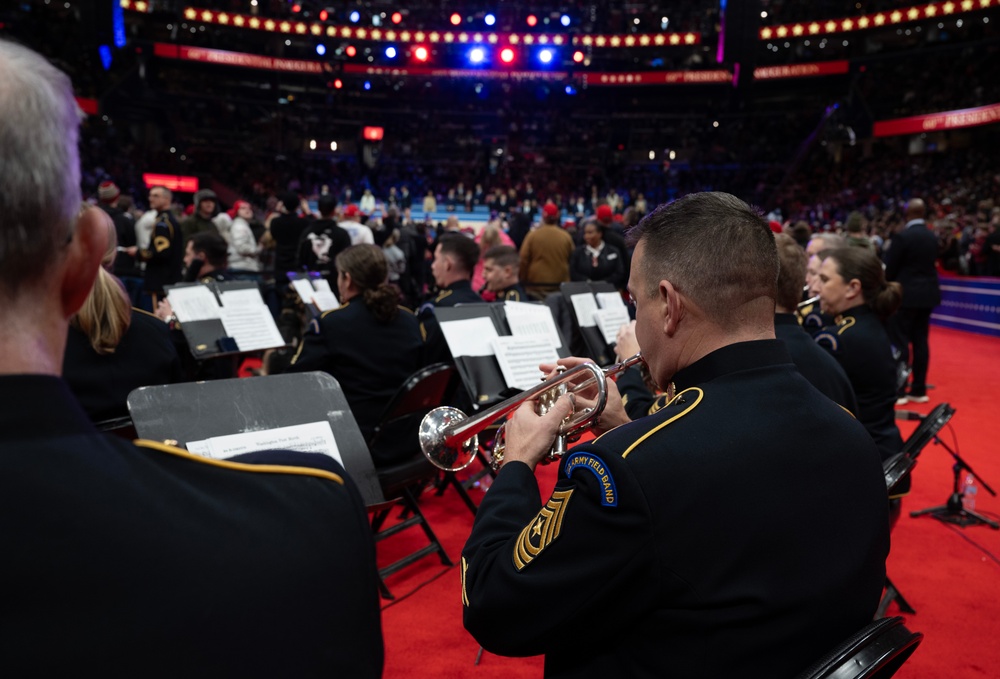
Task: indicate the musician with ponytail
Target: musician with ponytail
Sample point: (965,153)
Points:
(854,289)
(370,344)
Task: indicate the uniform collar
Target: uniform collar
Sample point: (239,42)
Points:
(40,406)
(785,319)
(730,359)
(859,310)
(463,284)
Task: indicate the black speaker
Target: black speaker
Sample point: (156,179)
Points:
(739,41)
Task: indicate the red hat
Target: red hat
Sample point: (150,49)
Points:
(604,213)
(775,226)
(236,208)
(550,210)
(107,192)
(351,210)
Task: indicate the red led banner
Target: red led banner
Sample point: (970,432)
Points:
(174,182)
(433,72)
(87,105)
(802,70)
(656,78)
(242,59)
(946,120)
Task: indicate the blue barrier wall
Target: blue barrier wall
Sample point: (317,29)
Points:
(971,304)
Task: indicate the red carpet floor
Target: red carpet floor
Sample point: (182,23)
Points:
(950,575)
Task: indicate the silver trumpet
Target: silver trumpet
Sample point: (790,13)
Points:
(450,439)
(805,303)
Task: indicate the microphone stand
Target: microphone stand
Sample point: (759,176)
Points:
(953,511)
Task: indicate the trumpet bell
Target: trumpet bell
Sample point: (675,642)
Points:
(435,446)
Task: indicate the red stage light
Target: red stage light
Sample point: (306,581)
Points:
(296,8)
(324,15)
(373,133)
(350,51)
(506,55)
(421,53)
(396,17)
(532,20)
(456,19)
(174,182)
(338,83)
(578,56)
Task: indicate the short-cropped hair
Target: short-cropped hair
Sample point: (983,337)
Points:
(462,248)
(714,248)
(503,255)
(214,247)
(792,272)
(39,166)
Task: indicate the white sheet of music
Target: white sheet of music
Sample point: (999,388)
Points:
(609,300)
(584,305)
(531,320)
(470,336)
(519,358)
(194,303)
(610,321)
(248,320)
(325,300)
(323,285)
(314,437)
(304,289)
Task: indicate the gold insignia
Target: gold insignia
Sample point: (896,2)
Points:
(161,243)
(542,530)
(679,399)
(465,569)
(845,324)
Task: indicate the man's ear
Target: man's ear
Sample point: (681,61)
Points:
(84,252)
(672,306)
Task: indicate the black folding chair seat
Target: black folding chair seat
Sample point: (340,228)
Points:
(875,652)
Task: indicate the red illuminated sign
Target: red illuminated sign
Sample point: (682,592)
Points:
(224,58)
(946,120)
(174,182)
(373,133)
(801,70)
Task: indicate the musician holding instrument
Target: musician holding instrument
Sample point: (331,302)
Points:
(741,530)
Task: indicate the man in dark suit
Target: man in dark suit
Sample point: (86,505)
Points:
(628,569)
(909,259)
(141,558)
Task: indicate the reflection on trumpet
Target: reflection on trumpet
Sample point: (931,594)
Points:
(450,439)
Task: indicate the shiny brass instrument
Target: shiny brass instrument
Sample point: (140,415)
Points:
(450,439)
(811,300)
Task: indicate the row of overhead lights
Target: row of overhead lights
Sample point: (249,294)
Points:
(477,54)
(877,20)
(318,29)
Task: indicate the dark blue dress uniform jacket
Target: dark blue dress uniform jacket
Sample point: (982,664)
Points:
(146,561)
(816,365)
(861,346)
(741,531)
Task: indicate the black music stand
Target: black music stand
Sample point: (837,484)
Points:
(194,411)
(952,511)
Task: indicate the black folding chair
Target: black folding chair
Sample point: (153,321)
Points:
(875,652)
(402,468)
(896,470)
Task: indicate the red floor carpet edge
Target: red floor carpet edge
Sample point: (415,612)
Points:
(950,575)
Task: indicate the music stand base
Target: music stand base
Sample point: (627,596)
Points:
(956,514)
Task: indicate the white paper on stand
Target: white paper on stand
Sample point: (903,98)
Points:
(519,358)
(470,336)
(315,437)
(609,300)
(322,285)
(247,320)
(194,303)
(304,289)
(610,321)
(531,320)
(584,305)
(325,300)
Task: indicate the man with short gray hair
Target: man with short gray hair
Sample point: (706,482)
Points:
(143,559)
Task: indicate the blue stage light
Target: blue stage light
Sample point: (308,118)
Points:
(321,49)
(368,85)
(490,19)
(477,55)
(545,56)
(355,17)
(570,90)
(564,20)
(390,52)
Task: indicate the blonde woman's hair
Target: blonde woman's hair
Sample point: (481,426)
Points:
(107,312)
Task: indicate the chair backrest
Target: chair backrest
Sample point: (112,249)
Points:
(875,652)
(395,439)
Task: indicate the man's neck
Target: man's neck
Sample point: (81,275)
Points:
(32,344)
(451,281)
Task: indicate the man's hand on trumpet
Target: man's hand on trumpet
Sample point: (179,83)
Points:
(529,436)
(614,411)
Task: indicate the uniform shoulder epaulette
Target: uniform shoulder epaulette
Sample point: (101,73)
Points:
(442,295)
(845,324)
(143,311)
(239,466)
(406,309)
(674,409)
(330,311)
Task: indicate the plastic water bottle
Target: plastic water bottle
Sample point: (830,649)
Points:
(969,491)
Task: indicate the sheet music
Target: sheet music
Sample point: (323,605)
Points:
(609,300)
(584,305)
(325,301)
(532,320)
(470,336)
(323,285)
(304,289)
(193,303)
(519,358)
(314,437)
(610,321)
(247,319)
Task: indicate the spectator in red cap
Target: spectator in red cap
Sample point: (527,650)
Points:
(612,232)
(358,232)
(545,255)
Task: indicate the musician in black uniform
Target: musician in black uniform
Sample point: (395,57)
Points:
(816,365)
(112,348)
(740,531)
(370,343)
(165,255)
(853,288)
(501,266)
(142,559)
(206,256)
(455,258)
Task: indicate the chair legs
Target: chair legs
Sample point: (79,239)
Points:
(892,594)
(416,517)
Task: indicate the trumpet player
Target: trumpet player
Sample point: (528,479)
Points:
(741,530)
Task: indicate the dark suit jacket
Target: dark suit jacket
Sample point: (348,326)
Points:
(909,259)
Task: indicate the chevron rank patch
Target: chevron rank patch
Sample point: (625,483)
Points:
(596,466)
(542,530)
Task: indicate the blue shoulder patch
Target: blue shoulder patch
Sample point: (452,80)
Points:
(595,466)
